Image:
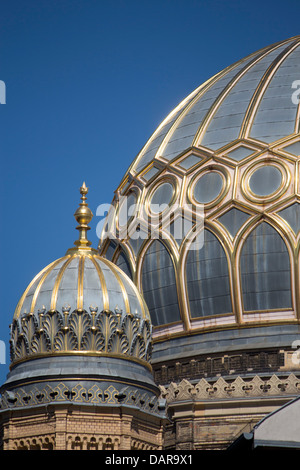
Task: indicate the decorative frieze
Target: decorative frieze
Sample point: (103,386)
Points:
(237,388)
(212,366)
(54,332)
(94,395)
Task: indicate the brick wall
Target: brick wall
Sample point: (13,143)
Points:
(78,428)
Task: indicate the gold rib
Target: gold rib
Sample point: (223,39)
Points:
(202,89)
(179,107)
(21,301)
(102,282)
(41,282)
(218,102)
(80,282)
(58,281)
(297,120)
(260,90)
(115,269)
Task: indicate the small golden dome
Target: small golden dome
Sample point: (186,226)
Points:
(81,303)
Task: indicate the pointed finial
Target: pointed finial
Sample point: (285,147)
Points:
(83,216)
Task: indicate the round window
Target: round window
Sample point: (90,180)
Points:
(265,181)
(161,198)
(208,187)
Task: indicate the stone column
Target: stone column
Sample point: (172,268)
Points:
(61,417)
(125,441)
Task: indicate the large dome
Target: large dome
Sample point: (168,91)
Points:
(250,100)
(218,264)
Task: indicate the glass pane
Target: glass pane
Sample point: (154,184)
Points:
(123,264)
(189,161)
(265,181)
(180,227)
(208,187)
(240,152)
(233,220)
(161,197)
(227,120)
(207,277)
(293,148)
(149,152)
(183,135)
(127,208)
(150,173)
(292,215)
(276,113)
(265,270)
(137,238)
(159,285)
(110,250)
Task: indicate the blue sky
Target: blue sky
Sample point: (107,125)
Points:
(87,82)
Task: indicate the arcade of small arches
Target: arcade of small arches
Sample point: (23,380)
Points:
(108,443)
(92,443)
(76,442)
(41,443)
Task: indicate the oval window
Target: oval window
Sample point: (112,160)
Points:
(208,187)
(265,181)
(161,198)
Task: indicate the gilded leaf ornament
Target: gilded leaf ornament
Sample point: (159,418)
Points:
(94,332)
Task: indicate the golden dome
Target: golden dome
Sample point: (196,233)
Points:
(81,303)
(212,235)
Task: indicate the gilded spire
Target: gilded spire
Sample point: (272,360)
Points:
(83,216)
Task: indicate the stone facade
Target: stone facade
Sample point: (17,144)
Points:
(72,427)
(208,411)
(215,365)
(210,414)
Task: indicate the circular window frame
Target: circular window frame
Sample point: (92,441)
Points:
(154,187)
(245,183)
(207,170)
(130,219)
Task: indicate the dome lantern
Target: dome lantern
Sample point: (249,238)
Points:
(83,216)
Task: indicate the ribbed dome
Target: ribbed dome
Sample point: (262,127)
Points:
(81,303)
(206,220)
(81,281)
(251,99)
(81,335)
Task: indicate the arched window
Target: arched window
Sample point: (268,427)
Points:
(207,277)
(265,270)
(92,445)
(77,444)
(123,264)
(34,445)
(108,444)
(22,446)
(159,285)
(110,251)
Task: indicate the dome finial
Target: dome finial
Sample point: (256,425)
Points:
(83,216)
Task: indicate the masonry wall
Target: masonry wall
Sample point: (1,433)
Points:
(69,427)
